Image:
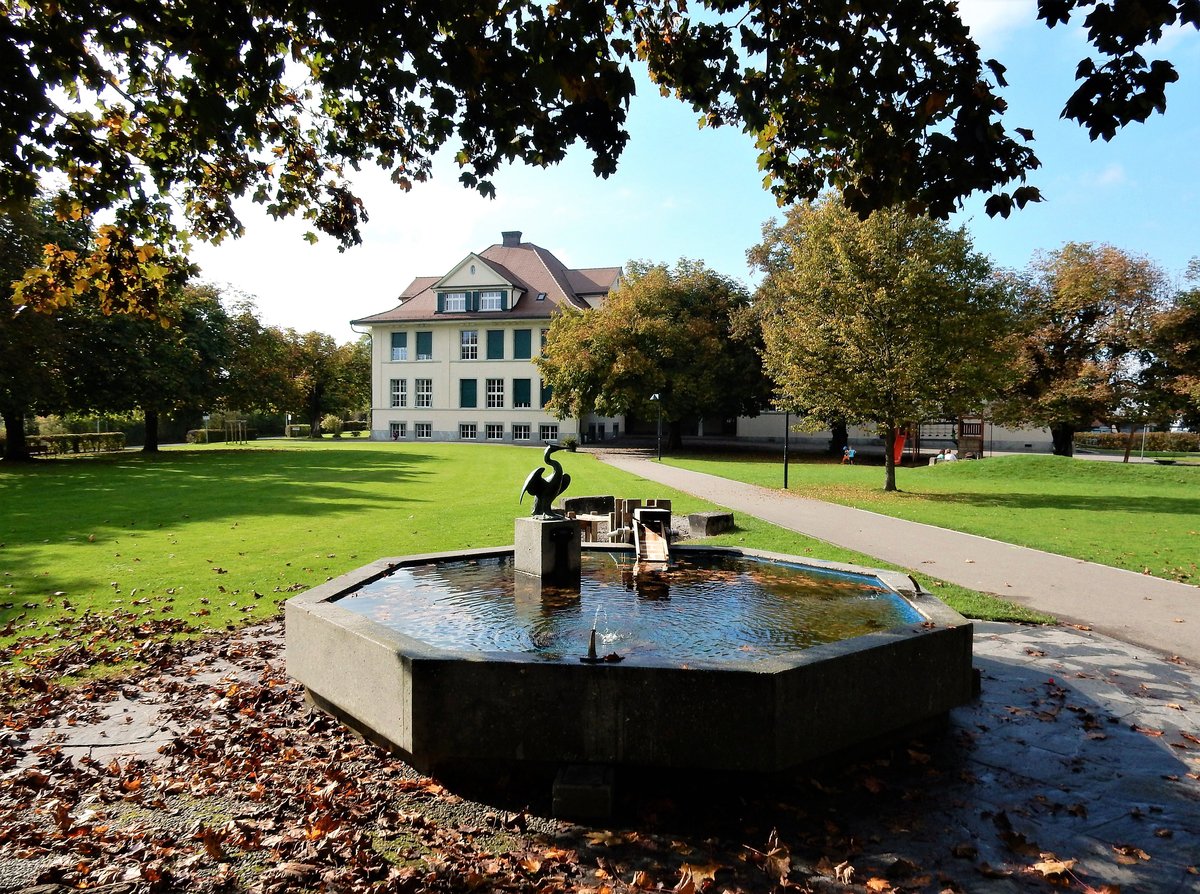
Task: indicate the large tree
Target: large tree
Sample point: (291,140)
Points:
(1087,311)
(166,106)
(1174,350)
(132,363)
(665,331)
(323,376)
(32,346)
(885,322)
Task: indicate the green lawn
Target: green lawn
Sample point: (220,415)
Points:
(1142,517)
(105,548)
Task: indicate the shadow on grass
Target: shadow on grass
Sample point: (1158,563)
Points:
(130,495)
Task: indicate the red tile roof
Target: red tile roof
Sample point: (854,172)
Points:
(530,268)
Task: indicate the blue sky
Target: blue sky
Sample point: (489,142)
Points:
(685,192)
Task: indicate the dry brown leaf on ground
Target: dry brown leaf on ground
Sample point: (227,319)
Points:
(1052,867)
(1129,855)
(686,884)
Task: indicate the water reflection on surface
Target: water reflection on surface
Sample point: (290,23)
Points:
(703,607)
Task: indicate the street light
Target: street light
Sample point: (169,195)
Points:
(657,398)
(787,427)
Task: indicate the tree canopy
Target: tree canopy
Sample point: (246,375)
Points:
(667,332)
(886,322)
(170,109)
(1087,312)
(1175,348)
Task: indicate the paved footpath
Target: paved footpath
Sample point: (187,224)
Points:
(1137,608)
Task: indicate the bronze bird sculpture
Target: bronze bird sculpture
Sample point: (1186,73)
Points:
(546,490)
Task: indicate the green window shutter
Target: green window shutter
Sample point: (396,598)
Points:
(522,344)
(547,393)
(424,345)
(441,303)
(504,299)
(467,393)
(473,301)
(495,344)
(521,393)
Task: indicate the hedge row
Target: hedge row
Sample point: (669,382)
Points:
(90,442)
(1158,441)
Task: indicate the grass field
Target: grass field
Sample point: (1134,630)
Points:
(216,536)
(1138,516)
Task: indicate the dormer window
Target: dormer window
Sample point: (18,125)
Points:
(493,300)
(455,302)
(541,296)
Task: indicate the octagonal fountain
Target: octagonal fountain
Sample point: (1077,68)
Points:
(727,659)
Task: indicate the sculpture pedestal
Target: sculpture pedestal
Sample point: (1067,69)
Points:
(548,548)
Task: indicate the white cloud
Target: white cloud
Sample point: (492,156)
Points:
(1111,175)
(992,22)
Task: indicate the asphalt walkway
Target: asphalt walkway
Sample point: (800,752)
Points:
(1137,608)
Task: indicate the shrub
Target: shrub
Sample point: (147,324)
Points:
(1157,441)
(332,424)
(570,442)
(91,442)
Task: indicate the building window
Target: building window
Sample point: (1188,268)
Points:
(468,344)
(521,393)
(522,344)
(424,430)
(399,345)
(491,300)
(521,431)
(467,432)
(495,344)
(495,394)
(399,391)
(545,332)
(424,345)
(467,393)
(398,430)
(454,302)
(424,389)
(548,432)
(547,393)
(495,431)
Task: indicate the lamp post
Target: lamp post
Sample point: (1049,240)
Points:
(657,398)
(787,427)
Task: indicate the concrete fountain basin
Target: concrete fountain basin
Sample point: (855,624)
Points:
(443,708)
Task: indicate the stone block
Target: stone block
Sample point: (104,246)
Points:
(599,505)
(547,548)
(709,524)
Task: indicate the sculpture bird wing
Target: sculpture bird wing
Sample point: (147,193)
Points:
(533,484)
(566,480)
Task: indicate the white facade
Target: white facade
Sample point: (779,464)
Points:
(454,360)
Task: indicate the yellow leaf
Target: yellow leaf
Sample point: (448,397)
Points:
(1050,865)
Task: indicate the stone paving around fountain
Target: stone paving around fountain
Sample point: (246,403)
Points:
(1080,746)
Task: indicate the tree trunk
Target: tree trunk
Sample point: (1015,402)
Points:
(150,444)
(889,458)
(675,435)
(1129,443)
(314,425)
(1063,434)
(16,447)
(840,437)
